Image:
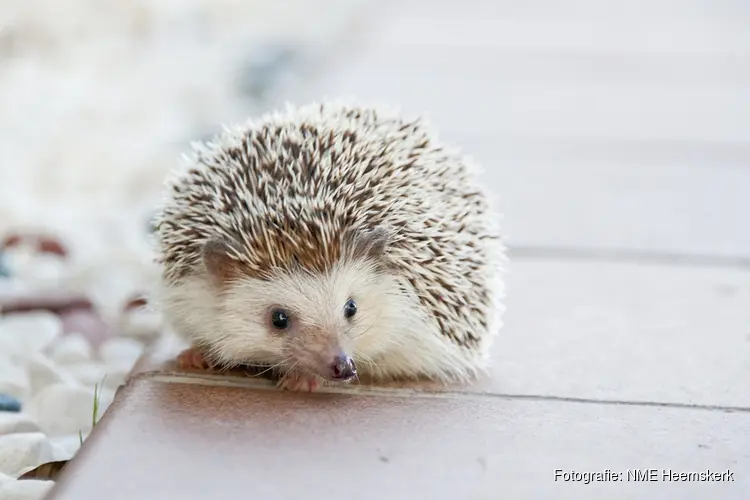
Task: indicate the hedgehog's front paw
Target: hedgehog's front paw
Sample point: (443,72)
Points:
(299,382)
(193,359)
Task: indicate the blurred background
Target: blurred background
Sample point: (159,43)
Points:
(98,100)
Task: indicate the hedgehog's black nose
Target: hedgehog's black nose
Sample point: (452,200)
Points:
(343,368)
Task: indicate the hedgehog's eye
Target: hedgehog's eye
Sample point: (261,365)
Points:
(350,308)
(280,319)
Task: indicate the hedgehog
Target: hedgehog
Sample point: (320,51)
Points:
(331,242)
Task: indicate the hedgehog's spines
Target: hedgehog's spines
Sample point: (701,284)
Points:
(288,186)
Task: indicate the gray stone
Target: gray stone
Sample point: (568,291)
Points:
(649,208)
(4,271)
(598,330)
(9,403)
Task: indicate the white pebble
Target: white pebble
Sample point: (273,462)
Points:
(12,423)
(106,396)
(116,377)
(40,270)
(24,333)
(89,374)
(14,380)
(64,447)
(27,489)
(120,352)
(140,324)
(12,350)
(61,410)
(72,349)
(13,286)
(22,452)
(99,374)
(44,372)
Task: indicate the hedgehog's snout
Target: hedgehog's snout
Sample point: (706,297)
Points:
(343,368)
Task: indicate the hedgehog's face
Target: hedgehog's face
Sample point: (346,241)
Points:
(315,322)
(319,323)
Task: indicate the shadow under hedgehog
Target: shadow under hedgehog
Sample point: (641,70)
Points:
(329,241)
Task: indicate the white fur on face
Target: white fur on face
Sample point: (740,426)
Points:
(388,337)
(318,329)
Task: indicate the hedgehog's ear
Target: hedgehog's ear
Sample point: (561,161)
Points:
(368,243)
(219,264)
